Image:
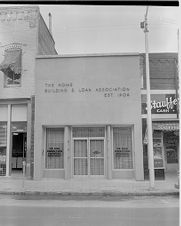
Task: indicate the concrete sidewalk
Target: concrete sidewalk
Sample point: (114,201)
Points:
(92,186)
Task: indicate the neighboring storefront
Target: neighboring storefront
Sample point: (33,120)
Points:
(165,125)
(23,35)
(88,117)
(14,122)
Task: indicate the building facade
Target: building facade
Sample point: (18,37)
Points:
(165,112)
(88,117)
(23,36)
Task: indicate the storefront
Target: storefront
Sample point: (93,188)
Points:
(15,130)
(165,133)
(87,117)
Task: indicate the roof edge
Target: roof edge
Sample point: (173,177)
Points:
(86,55)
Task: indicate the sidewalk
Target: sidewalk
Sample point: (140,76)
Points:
(84,187)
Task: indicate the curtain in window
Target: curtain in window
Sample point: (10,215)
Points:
(122,148)
(96,157)
(54,148)
(88,132)
(80,157)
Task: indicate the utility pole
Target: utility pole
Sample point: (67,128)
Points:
(144,25)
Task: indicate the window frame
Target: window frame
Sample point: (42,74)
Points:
(45,148)
(6,85)
(132,147)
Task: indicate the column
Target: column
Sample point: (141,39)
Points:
(109,153)
(67,153)
(8,141)
(28,152)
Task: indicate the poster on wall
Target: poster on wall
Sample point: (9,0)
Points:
(158,149)
(158,158)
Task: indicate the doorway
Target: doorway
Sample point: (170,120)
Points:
(18,152)
(88,157)
(171,147)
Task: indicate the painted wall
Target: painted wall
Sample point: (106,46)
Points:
(88,90)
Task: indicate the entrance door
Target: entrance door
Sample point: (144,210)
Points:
(18,151)
(89,156)
(96,157)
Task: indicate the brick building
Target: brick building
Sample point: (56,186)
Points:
(24,34)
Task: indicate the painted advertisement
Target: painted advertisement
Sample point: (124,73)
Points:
(161,104)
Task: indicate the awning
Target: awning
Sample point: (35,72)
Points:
(164,126)
(11,64)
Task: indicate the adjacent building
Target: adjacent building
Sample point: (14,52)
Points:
(165,112)
(23,36)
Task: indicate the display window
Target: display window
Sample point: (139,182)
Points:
(54,148)
(122,148)
(171,146)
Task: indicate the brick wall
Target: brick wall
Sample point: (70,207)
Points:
(163,70)
(46,44)
(19,25)
(25,26)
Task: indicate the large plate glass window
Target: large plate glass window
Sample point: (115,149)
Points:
(54,148)
(122,148)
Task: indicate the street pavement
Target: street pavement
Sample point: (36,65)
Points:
(137,211)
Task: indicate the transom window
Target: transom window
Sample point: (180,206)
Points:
(89,132)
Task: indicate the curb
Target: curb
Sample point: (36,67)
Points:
(85,195)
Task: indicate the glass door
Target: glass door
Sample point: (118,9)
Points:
(96,157)
(88,156)
(81,157)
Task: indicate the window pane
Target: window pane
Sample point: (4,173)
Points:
(11,66)
(96,157)
(55,149)
(80,157)
(122,148)
(89,132)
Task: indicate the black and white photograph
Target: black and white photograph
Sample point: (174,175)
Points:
(89,114)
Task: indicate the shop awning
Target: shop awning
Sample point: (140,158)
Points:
(11,64)
(164,126)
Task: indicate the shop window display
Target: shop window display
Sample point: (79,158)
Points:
(122,148)
(171,146)
(54,148)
